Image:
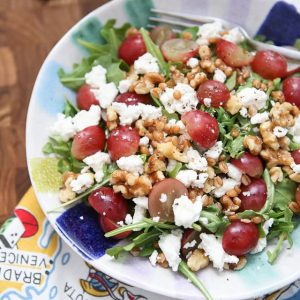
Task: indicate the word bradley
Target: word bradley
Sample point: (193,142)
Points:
(22,275)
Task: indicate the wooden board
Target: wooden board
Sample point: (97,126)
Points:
(29,29)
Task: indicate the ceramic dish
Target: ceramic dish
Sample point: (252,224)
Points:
(78,225)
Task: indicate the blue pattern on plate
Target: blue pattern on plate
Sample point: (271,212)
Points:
(282,24)
(80,224)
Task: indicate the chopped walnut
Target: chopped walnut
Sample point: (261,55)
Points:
(65,192)
(154,164)
(269,138)
(233,105)
(198,260)
(276,158)
(238,266)
(253,143)
(276,174)
(170,151)
(283,114)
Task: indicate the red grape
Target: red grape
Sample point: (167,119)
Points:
(297,195)
(173,189)
(189,235)
(160,34)
(269,64)
(109,204)
(108,225)
(201,127)
(87,142)
(254,195)
(179,50)
(249,164)
(123,141)
(132,48)
(296,156)
(85,97)
(215,90)
(240,238)
(291,90)
(133,98)
(232,54)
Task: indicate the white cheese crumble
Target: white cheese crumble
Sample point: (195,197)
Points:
(155,219)
(234,172)
(106,94)
(171,165)
(190,244)
(187,102)
(128,219)
(96,162)
(214,250)
(191,178)
(219,75)
(215,151)
(170,245)
(186,212)
(207,102)
(280,131)
(145,64)
(234,35)
(244,112)
(96,77)
(144,141)
(192,62)
(132,164)
(247,193)
(163,198)
(82,182)
(209,30)
(87,118)
(141,201)
(124,85)
(252,97)
(295,130)
(153,258)
(138,216)
(195,161)
(63,127)
(228,184)
(262,242)
(259,118)
(295,167)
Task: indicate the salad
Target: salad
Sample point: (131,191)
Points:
(186,144)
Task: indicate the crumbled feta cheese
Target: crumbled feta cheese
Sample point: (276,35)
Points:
(295,130)
(244,112)
(96,77)
(171,165)
(153,258)
(247,193)
(96,162)
(190,244)
(219,75)
(139,215)
(170,245)
(192,62)
(207,102)
(252,97)
(262,242)
(215,252)
(121,223)
(63,127)
(144,141)
(209,30)
(195,161)
(295,167)
(234,172)
(187,102)
(163,198)
(124,85)
(145,64)
(133,164)
(128,219)
(187,177)
(228,184)
(87,118)
(259,118)
(199,182)
(106,94)
(141,201)
(150,112)
(82,182)
(186,212)
(215,151)
(234,35)
(155,219)
(151,150)
(280,131)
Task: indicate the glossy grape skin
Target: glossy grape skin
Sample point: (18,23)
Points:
(258,195)
(240,238)
(87,142)
(201,127)
(123,141)
(296,156)
(109,204)
(249,164)
(291,90)
(215,90)
(132,48)
(232,54)
(162,33)
(269,64)
(85,98)
(173,188)
(108,225)
(130,98)
(189,235)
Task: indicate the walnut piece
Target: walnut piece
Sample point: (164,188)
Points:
(170,151)
(253,143)
(198,260)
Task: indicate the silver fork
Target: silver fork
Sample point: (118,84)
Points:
(179,20)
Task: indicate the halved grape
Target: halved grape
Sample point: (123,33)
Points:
(130,98)
(291,90)
(85,98)
(160,34)
(108,225)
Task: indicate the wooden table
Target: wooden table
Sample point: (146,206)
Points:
(28,30)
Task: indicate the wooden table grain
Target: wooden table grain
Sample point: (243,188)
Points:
(28,31)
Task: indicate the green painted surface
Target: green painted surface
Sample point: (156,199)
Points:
(45,175)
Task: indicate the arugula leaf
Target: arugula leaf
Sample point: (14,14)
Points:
(270,193)
(114,73)
(272,256)
(94,48)
(236,147)
(192,30)
(155,51)
(231,81)
(70,110)
(294,146)
(284,193)
(176,169)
